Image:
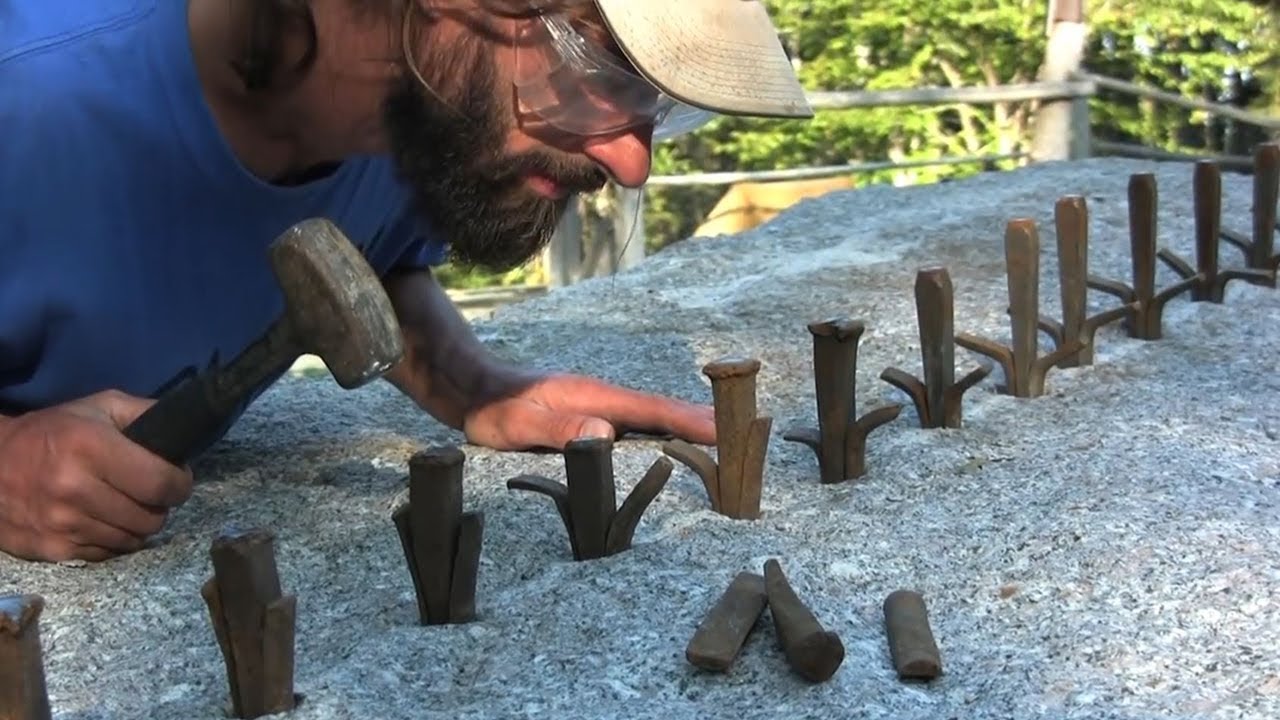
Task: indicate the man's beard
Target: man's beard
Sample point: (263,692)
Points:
(452,159)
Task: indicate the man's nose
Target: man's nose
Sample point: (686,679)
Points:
(626,157)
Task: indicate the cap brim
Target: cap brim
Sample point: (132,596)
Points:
(719,55)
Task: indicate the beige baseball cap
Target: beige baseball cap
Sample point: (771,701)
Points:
(719,55)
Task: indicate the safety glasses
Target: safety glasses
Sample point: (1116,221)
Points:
(567,82)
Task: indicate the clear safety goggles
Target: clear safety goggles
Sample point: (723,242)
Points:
(567,82)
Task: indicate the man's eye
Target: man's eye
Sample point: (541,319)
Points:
(607,84)
(621,88)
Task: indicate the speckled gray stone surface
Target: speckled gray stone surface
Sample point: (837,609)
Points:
(1109,550)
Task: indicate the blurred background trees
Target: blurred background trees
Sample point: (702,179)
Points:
(1225,51)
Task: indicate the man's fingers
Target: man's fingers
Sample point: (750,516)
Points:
(93,533)
(142,476)
(105,503)
(524,425)
(88,511)
(693,423)
(585,407)
(153,482)
(62,550)
(91,553)
(121,408)
(137,472)
(646,412)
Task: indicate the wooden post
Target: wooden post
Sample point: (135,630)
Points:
(616,241)
(563,255)
(628,228)
(1081,134)
(1061,125)
(612,244)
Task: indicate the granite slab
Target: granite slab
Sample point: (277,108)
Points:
(1108,550)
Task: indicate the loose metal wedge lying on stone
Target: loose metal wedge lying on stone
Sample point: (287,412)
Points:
(939,397)
(840,440)
(1024,368)
(911,644)
(441,543)
(587,505)
(812,652)
(23,694)
(735,479)
(253,622)
(717,641)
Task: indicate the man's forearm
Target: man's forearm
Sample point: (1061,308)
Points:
(446,370)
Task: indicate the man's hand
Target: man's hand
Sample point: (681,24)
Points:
(552,411)
(72,486)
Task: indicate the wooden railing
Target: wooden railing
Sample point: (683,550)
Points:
(821,171)
(1232,162)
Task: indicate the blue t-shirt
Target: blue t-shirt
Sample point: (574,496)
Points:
(133,244)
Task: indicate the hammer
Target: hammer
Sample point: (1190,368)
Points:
(335,307)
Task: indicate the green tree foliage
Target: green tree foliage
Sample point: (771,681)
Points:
(1222,51)
(1219,50)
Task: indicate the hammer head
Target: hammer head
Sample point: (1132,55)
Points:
(335,304)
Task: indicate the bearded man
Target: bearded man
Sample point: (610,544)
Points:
(153,149)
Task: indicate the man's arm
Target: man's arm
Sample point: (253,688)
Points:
(451,376)
(445,369)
